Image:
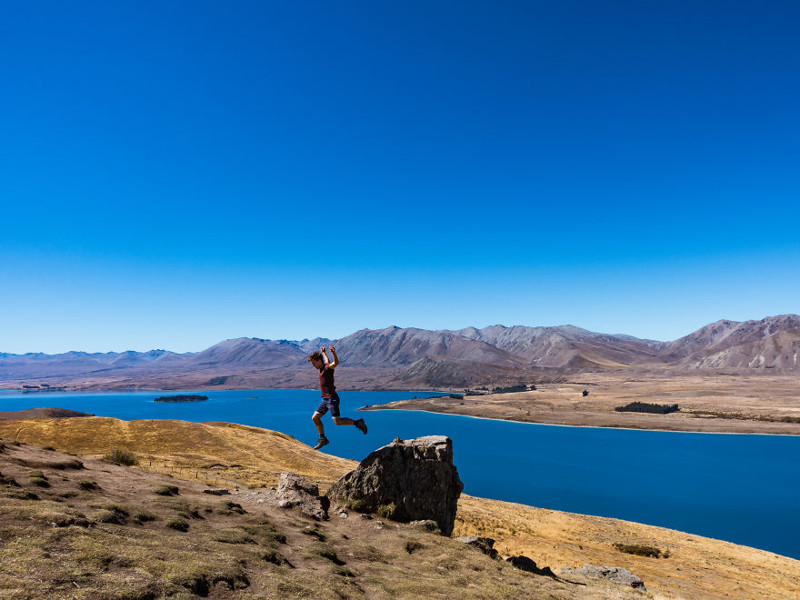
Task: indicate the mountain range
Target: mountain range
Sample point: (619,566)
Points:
(395,357)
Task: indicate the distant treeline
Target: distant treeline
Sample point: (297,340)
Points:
(181,398)
(644,407)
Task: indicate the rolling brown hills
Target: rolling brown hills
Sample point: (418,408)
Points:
(245,459)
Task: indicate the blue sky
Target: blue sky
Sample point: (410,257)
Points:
(177,173)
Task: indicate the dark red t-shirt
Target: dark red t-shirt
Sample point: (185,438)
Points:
(326,382)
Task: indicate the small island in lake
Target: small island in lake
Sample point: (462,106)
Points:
(181,398)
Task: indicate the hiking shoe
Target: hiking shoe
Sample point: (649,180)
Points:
(361,426)
(323,441)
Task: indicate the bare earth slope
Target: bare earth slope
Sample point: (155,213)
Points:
(382,565)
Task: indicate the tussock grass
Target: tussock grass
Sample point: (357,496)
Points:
(39,479)
(44,512)
(313,531)
(265,532)
(184,508)
(276,558)
(234,536)
(119,456)
(387,511)
(22,495)
(142,516)
(8,480)
(323,550)
(355,505)
(342,571)
(228,507)
(178,524)
(167,490)
(152,566)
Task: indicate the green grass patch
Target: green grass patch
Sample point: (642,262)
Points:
(355,505)
(387,511)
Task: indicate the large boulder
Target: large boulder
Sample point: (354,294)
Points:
(615,574)
(294,490)
(406,481)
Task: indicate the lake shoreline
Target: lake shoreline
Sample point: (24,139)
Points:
(570,460)
(389,407)
(707,404)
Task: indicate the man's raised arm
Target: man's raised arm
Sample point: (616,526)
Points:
(335,358)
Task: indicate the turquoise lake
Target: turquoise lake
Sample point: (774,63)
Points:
(740,488)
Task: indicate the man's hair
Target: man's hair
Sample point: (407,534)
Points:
(315,356)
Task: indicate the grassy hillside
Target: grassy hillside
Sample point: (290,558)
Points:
(222,453)
(687,567)
(90,530)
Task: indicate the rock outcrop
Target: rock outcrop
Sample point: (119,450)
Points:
(293,491)
(406,481)
(615,574)
(524,563)
(485,545)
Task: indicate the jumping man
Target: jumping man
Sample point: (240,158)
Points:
(330,399)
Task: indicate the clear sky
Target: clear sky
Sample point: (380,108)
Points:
(173,174)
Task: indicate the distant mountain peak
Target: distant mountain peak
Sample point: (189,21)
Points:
(492,353)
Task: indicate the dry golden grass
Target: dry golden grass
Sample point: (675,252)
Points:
(695,568)
(93,544)
(222,453)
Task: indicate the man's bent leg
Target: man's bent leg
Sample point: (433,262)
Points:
(317,418)
(322,441)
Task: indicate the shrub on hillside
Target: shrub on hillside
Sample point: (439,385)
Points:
(121,457)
